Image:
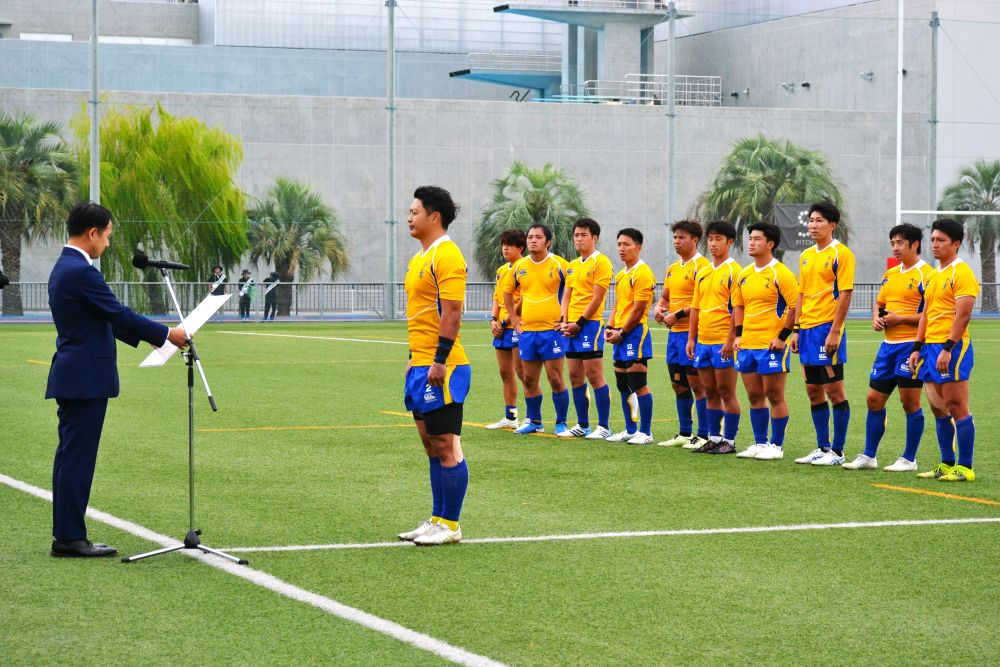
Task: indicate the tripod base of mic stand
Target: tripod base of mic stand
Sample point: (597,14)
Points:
(191,541)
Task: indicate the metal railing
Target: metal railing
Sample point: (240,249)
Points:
(608,5)
(705,91)
(334,300)
(517,61)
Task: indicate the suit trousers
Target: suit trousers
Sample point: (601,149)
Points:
(80,424)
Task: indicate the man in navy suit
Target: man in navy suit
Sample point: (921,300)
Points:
(84,371)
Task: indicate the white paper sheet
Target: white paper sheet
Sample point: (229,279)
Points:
(192,323)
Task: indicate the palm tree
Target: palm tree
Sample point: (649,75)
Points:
(293,228)
(760,173)
(37,188)
(978,189)
(521,198)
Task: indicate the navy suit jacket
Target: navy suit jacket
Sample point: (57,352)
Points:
(88,319)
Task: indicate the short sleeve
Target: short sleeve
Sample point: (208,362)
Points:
(736,291)
(450,273)
(881,298)
(696,297)
(602,273)
(789,287)
(965,283)
(845,270)
(510,280)
(642,286)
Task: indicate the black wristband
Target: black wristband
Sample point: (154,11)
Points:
(582,322)
(443,349)
(796,328)
(623,333)
(738,329)
(916,346)
(494,319)
(784,334)
(948,345)
(680,314)
(410,354)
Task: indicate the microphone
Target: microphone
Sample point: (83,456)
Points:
(4,281)
(140,261)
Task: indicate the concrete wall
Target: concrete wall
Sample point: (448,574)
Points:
(132,19)
(617,153)
(232,70)
(826,49)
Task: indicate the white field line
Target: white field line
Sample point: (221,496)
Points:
(637,533)
(419,640)
(348,340)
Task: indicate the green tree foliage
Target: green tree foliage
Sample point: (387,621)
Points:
(977,188)
(296,231)
(521,198)
(170,183)
(760,173)
(38,185)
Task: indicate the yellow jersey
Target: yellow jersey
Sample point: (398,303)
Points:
(432,275)
(944,288)
(765,293)
(679,283)
(582,276)
(541,285)
(632,285)
(824,275)
(713,301)
(502,272)
(902,292)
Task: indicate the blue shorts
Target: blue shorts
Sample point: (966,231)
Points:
(589,339)
(811,346)
(422,398)
(637,345)
(541,345)
(710,356)
(893,361)
(677,342)
(764,362)
(508,341)
(959,369)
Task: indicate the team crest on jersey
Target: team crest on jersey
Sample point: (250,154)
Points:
(551,270)
(826,264)
(910,286)
(767,283)
(568,273)
(743,281)
(522,272)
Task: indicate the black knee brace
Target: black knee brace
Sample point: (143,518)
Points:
(621,381)
(637,380)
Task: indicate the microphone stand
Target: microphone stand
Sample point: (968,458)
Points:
(191,358)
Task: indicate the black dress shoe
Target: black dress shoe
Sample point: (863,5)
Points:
(80,549)
(724,448)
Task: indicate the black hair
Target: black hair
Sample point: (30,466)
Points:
(721,227)
(632,233)
(690,226)
(770,232)
(589,224)
(437,200)
(954,230)
(513,237)
(217,266)
(545,230)
(86,215)
(909,233)
(827,209)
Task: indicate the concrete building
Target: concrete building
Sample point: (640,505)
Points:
(318,114)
